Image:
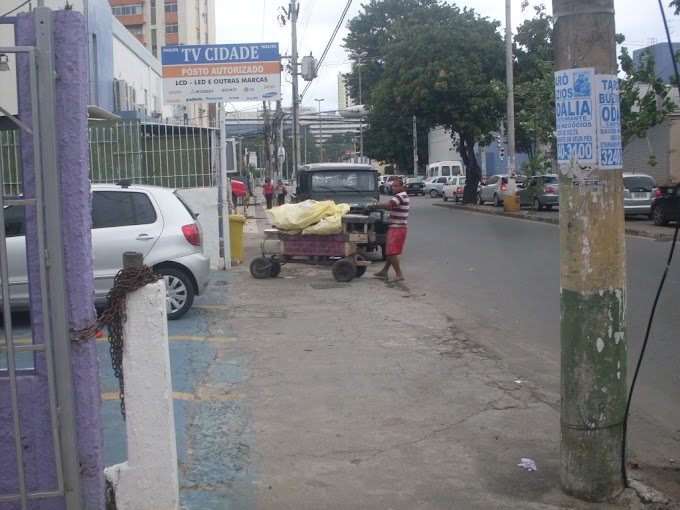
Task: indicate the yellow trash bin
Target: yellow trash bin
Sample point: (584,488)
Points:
(236,222)
(511,203)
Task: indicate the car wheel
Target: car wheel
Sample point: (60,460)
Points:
(446,199)
(344,270)
(433,193)
(361,270)
(536,204)
(275,269)
(260,268)
(479,199)
(658,216)
(179,292)
(496,200)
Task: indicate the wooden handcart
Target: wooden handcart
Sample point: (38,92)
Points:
(339,250)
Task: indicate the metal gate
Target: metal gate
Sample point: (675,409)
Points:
(39,196)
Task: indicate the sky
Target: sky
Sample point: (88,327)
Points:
(256,21)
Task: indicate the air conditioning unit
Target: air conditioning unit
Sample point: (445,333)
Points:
(120,95)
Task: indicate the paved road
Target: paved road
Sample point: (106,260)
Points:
(505,273)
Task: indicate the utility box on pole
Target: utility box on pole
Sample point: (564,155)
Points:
(592,247)
(308,68)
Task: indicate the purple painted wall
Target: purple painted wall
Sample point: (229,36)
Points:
(72,87)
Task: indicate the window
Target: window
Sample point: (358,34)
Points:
(127,10)
(172,28)
(121,208)
(171,7)
(15,222)
(136,29)
(154,42)
(153,11)
(343,181)
(446,170)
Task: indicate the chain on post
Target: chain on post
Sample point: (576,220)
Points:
(113,317)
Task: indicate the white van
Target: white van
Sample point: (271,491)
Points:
(445,169)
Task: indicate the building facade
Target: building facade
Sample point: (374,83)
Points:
(158,23)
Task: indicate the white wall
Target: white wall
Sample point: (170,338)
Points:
(440,146)
(133,63)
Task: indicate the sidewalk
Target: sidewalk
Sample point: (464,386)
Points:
(365,396)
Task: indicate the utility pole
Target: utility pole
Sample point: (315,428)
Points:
(511,91)
(415,148)
(592,248)
(267,141)
(293,10)
(320,132)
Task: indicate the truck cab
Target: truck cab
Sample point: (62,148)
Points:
(354,184)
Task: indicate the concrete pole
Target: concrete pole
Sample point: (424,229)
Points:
(293,12)
(320,132)
(592,273)
(511,91)
(224,222)
(415,148)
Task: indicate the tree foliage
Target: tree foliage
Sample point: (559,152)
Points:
(440,63)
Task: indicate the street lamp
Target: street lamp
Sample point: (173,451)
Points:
(320,132)
(361,119)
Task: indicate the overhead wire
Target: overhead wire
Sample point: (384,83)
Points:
(330,43)
(15,9)
(624,463)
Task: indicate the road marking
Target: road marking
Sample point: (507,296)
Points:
(211,307)
(177,395)
(189,338)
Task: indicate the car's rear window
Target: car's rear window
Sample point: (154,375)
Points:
(121,208)
(550,179)
(639,183)
(186,206)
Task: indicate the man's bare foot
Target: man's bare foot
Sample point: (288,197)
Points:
(380,274)
(396,279)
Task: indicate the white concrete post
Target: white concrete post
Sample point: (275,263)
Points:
(148,480)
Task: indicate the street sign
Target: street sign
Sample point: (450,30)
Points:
(221,72)
(574,109)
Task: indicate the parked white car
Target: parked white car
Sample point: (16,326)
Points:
(454,189)
(150,220)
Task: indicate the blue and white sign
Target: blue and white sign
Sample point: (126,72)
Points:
(575,115)
(221,72)
(608,122)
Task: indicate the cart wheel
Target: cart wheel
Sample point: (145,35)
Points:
(260,268)
(361,270)
(275,270)
(344,270)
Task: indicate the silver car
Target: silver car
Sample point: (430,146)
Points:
(639,191)
(435,185)
(540,191)
(150,220)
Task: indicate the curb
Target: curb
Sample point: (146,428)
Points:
(532,216)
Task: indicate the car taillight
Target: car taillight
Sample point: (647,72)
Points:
(549,189)
(504,188)
(192,234)
(459,189)
(658,192)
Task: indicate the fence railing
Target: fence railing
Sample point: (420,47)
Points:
(172,156)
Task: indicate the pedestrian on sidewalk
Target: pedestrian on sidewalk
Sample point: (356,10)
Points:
(280,191)
(398,206)
(268,192)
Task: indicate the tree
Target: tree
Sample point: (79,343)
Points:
(534,87)
(444,65)
(645,100)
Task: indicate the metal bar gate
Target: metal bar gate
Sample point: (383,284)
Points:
(43,204)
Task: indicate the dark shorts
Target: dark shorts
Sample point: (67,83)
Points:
(396,237)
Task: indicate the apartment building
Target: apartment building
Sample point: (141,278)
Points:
(158,23)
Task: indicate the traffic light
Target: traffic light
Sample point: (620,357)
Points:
(501,153)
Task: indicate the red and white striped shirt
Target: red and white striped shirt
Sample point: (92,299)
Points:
(399,212)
